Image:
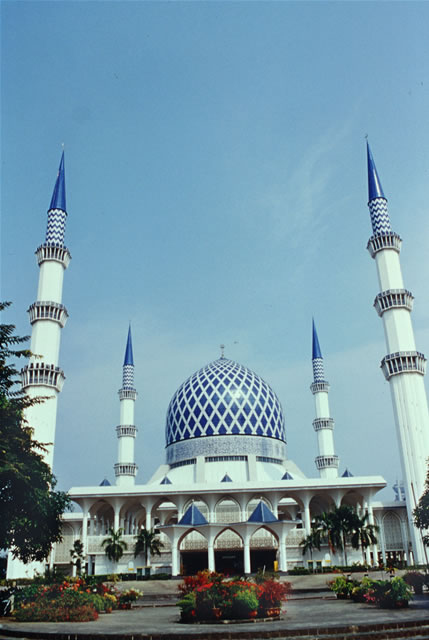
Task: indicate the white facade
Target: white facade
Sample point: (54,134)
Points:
(228,497)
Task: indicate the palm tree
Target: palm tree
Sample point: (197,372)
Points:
(147,542)
(337,525)
(114,546)
(363,533)
(312,541)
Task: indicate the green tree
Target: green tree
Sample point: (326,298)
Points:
(312,541)
(147,542)
(76,553)
(421,512)
(363,534)
(343,525)
(114,546)
(30,507)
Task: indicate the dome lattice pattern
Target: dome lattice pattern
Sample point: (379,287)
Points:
(224,398)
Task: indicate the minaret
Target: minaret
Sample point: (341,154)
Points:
(326,462)
(42,376)
(126,468)
(403,366)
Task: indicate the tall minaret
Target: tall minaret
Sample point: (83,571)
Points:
(42,376)
(326,461)
(403,366)
(126,468)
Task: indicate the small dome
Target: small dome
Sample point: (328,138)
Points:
(224,399)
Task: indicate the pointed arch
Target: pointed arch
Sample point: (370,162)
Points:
(228,538)
(227,509)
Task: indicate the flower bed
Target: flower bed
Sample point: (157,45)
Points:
(387,594)
(69,601)
(211,596)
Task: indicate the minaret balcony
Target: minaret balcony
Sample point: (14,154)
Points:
(327,462)
(48,311)
(40,373)
(323,423)
(403,362)
(384,241)
(316,387)
(126,469)
(49,251)
(129,430)
(393,299)
(127,394)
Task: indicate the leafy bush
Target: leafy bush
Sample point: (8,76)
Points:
(342,586)
(384,593)
(416,580)
(208,595)
(243,602)
(187,607)
(130,595)
(71,600)
(392,593)
(273,593)
(299,571)
(54,612)
(360,590)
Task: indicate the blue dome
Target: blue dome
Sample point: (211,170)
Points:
(224,399)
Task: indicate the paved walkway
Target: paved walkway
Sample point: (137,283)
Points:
(312,606)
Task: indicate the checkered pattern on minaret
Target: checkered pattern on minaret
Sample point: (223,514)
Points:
(56,227)
(128,376)
(379,216)
(318,370)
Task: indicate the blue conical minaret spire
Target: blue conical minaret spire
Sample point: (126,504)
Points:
(57,210)
(375,190)
(128,368)
(377,201)
(318,368)
(58,200)
(129,350)
(326,462)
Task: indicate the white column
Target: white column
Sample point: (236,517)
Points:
(371,521)
(282,551)
(211,554)
(175,557)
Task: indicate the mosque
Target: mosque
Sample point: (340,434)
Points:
(228,497)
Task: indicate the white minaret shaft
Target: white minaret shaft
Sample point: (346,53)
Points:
(42,376)
(403,366)
(126,468)
(326,461)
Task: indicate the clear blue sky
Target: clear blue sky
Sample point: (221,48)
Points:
(216,192)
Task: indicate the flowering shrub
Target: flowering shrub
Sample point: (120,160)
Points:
(190,583)
(390,594)
(342,586)
(273,593)
(130,595)
(53,612)
(362,591)
(387,594)
(110,601)
(70,600)
(210,596)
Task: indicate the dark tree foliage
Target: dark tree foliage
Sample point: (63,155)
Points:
(147,542)
(30,508)
(339,527)
(421,513)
